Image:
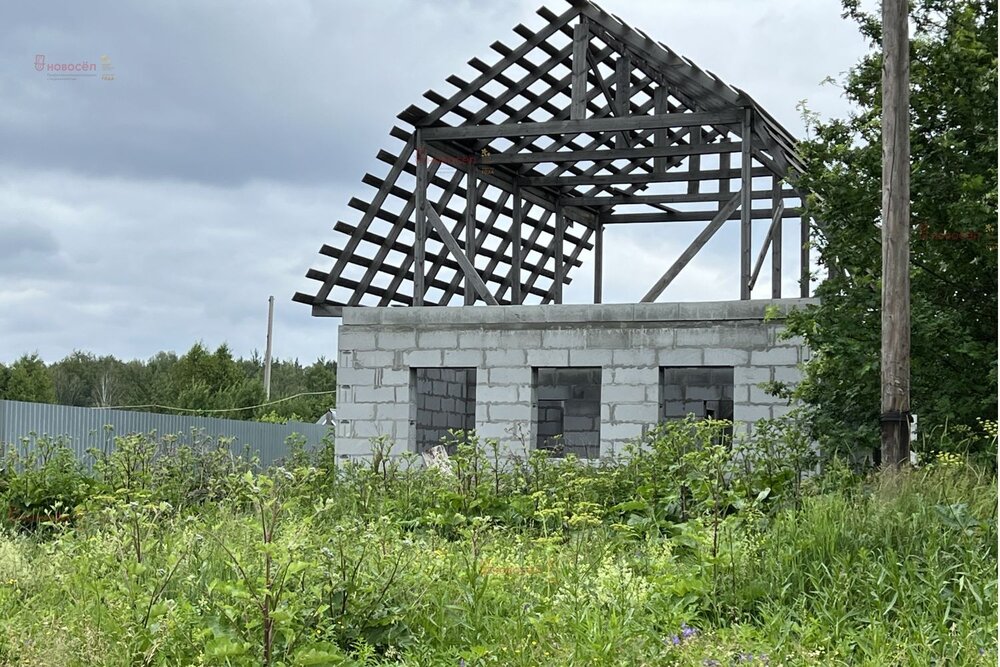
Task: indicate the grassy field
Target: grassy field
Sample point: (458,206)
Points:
(695,551)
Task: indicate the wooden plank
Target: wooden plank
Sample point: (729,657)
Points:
(636,178)
(776,237)
(581,126)
(471,275)
(660,136)
(581,38)
(471,203)
(613,153)
(327,310)
(746,188)
(689,216)
(694,162)
(420,221)
(769,242)
(515,247)
(598,263)
(623,95)
(713,226)
(559,243)
(616,200)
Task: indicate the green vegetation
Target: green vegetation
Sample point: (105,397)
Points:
(198,382)
(690,550)
(953,240)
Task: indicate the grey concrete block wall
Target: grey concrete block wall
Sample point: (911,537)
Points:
(629,342)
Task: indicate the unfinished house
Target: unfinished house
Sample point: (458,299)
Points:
(449,281)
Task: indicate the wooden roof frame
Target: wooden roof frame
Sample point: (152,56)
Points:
(586,114)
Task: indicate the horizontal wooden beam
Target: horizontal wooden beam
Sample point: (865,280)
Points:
(586,126)
(682,198)
(690,216)
(639,178)
(468,269)
(598,155)
(327,310)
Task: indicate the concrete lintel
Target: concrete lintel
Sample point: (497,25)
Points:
(512,316)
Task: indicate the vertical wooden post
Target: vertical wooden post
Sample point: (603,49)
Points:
(659,136)
(895,425)
(694,162)
(471,202)
(598,261)
(746,201)
(557,285)
(623,94)
(776,238)
(420,220)
(515,246)
(804,258)
(581,39)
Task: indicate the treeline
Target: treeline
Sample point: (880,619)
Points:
(201,381)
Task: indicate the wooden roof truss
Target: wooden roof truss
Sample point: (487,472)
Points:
(496,193)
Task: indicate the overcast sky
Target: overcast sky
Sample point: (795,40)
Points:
(162,206)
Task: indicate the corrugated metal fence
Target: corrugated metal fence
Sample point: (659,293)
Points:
(87,428)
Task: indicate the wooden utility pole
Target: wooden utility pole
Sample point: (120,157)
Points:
(895,234)
(267,349)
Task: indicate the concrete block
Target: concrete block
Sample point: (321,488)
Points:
(487,393)
(423,358)
(396,340)
(647,413)
(623,393)
(622,431)
(395,376)
(437,338)
(373,358)
(354,410)
(589,357)
(761,397)
(724,356)
(698,336)
(548,358)
(509,376)
(354,339)
(355,376)
(509,412)
(466,358)
(751,413)
(656,338)
(776,356)
(569,338)
(745,336)
(646,375)
(607,339)
(392,412)
(751,375)
(789,374)
(370,394)
(634,357)
(682,356)
(514,357)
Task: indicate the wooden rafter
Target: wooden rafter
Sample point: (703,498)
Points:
(544,148)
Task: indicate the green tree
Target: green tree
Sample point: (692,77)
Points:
(953,240)
(29,380)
